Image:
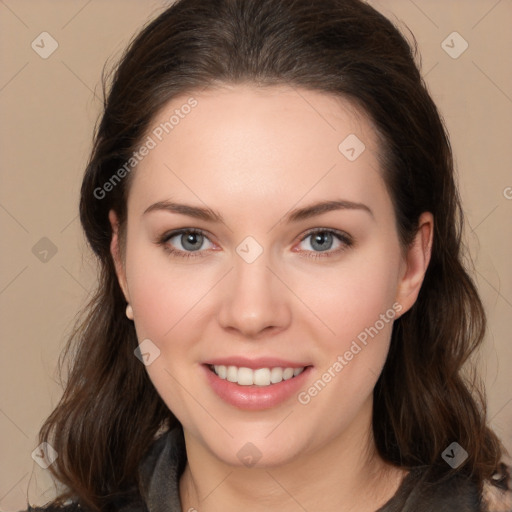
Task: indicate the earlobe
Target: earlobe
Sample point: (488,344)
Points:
(116,254)
(416,262)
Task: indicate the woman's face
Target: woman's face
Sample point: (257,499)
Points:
(293,262)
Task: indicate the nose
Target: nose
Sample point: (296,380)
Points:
(254,302)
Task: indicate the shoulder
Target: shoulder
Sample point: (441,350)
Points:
(51,507)
(128,503)
(158,471)
(450,491)
(427,489)
(123,501)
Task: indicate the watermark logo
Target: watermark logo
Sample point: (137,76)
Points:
(44,45)
(455,455)
(249,455)
(157,135)
(45,455)
(357,345)
(454,45)
(351,147)
(249,249)
(44,250)
(147,352)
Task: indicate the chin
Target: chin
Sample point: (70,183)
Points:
(252,449)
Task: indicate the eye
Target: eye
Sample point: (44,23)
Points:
(327,241)
(183,242)
(190,242)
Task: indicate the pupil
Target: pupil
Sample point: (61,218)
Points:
(190,241)
(322,241)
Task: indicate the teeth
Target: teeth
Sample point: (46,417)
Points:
(260,377)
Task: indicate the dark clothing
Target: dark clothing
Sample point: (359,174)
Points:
(163,465)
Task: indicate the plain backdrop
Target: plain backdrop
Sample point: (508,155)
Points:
(48,108)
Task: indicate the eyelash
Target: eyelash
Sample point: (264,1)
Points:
(344,238)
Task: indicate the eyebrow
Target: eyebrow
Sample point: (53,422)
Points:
(296,215)
(325,206)
(185,209)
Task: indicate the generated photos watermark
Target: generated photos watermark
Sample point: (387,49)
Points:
(357,345)
(157,135)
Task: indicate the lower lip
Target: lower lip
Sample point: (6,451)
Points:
(254,397)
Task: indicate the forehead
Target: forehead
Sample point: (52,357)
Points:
(252,143)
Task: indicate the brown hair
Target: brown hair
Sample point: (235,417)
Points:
(110,411)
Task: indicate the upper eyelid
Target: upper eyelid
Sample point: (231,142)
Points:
(336,232)
(177,232)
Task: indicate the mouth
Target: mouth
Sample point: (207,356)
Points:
(267,376)
(264,386)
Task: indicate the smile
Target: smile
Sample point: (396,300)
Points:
(260,377)
(264,386)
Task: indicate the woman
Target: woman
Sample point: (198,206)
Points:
(282,314)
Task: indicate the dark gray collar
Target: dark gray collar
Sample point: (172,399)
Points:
(161,471)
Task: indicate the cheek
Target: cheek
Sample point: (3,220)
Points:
(163,294)
(356,300)
(166,299)
(350,297)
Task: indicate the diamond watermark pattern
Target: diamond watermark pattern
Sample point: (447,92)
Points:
(44,250)
(454,45)
(44,455)
(44,45)
(249,249)
(249,455)
(351,147)
(147,352)
(455,455)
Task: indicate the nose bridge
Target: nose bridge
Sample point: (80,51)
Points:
(253,301)
(254,278)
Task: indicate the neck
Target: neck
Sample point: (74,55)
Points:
(344,474)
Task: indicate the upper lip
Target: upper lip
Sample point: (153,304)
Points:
(254,364)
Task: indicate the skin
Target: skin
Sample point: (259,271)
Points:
(253,155)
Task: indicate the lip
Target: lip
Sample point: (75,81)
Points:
(255,398)
(254,364)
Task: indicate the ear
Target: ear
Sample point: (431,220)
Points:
(116,254)
(417,258)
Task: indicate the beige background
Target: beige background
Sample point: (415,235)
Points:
(48,108)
